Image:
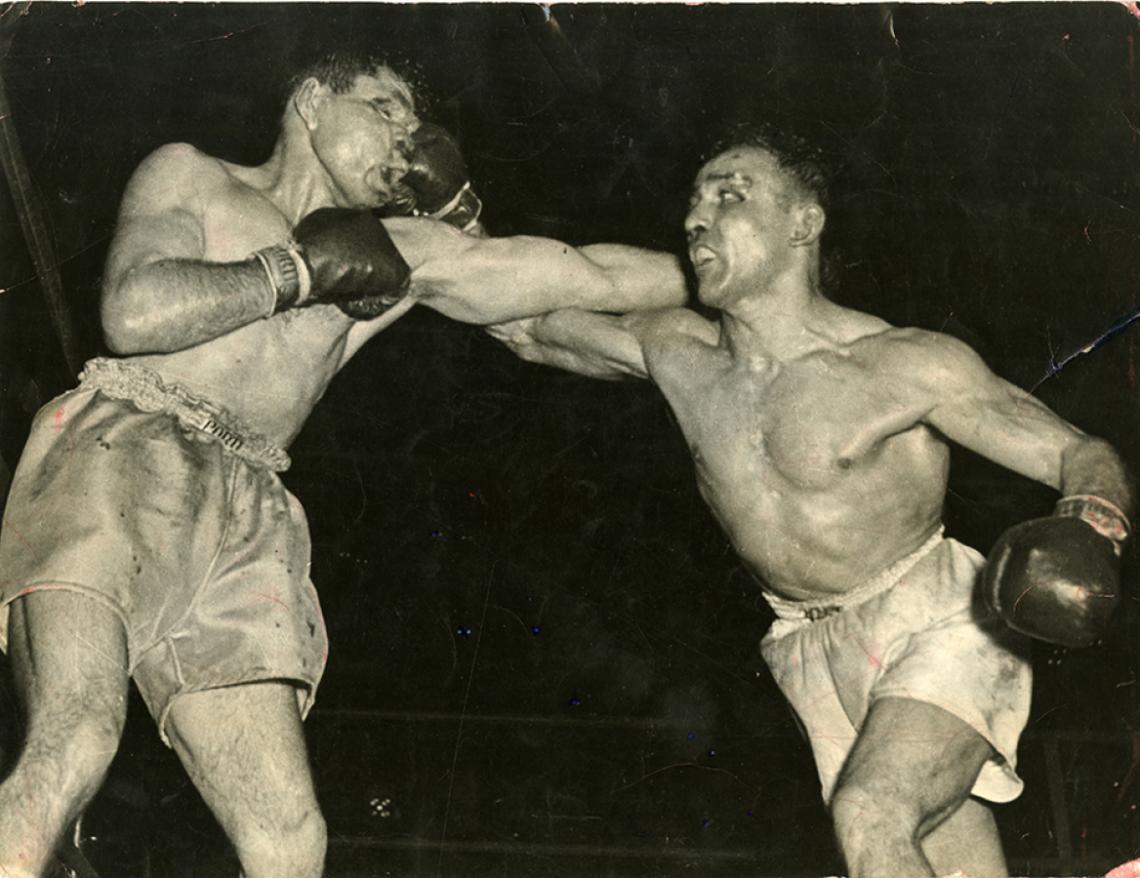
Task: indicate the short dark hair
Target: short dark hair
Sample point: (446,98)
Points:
(339,68)
(800,158)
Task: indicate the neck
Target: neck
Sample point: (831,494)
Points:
(294,180)
(780,322)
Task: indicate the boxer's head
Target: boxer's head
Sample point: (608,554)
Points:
(756,211)
(357,112)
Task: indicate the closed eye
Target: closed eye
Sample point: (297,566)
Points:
(383,107)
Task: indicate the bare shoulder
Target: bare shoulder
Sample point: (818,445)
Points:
(676,343)
(925,360)
(163,209)
(176,174)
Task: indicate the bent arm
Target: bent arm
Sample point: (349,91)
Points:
(608,345)
(495,280)
(992,417)
(595,345)
(159,293)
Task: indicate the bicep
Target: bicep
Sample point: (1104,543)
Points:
(159,217)
(988,415)
(594,345)
(493,280)
(607,345)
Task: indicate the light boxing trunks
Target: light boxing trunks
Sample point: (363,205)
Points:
(169,512)
(914,631)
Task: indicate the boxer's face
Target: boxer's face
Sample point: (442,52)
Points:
(739,223)
(361,137)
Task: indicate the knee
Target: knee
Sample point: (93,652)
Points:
(73,743)
(295,848)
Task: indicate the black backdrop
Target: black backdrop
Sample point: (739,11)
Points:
(544,652)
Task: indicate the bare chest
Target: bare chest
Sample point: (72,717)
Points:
(237,226)
(806,426)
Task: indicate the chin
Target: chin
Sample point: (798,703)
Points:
(708,292)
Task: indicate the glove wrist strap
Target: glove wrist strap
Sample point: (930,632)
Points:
(1104,517)
(288,277)
(462,211)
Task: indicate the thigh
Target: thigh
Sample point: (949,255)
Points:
(916,756)
(244,749)
(68,653)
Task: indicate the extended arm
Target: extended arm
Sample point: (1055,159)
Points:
(610,346)
(493,280)
(595,345)
(1055,578)
(498,280)
(980,411)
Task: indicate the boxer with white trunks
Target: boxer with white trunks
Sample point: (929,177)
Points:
(148,533)
(820,437)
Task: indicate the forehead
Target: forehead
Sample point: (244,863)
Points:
(749,163)
(383,84)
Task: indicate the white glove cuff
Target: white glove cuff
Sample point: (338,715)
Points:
(288,276)
(1104,517)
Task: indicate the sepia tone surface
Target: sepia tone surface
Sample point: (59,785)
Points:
(543,649)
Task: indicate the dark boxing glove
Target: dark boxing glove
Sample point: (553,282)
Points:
(1058,579)
(337,255)
(436,184)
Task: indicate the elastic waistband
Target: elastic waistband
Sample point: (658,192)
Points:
(813,611)
(146,389)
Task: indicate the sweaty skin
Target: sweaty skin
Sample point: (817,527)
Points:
(189,220)
(819,437)
(184,296)
(818,433)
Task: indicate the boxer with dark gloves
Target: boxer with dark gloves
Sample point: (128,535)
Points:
(147,524)
(821,440)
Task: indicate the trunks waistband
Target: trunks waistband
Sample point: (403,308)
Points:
(146,389)
(821,608)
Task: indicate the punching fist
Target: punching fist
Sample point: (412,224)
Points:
(341,256)
(435,186)
(349,255)
(1058,579)
(436,183)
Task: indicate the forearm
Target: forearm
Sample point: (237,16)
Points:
(1092,466)
(172,304)
(594,345)
(495,280)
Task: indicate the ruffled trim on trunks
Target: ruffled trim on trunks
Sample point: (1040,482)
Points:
(821,608)
(147,391)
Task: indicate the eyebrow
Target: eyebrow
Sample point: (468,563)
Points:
(734,176)
(724,176)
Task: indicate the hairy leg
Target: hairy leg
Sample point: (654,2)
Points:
(911,769)
(244,750)
(69,663)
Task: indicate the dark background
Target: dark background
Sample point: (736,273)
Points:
(544,651)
